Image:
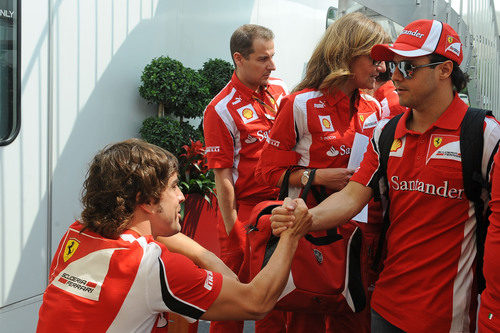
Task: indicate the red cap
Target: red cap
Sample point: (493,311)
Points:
(422,37)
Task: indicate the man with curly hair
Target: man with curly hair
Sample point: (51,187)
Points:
(110,272)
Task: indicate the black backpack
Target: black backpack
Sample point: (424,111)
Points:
(471,147)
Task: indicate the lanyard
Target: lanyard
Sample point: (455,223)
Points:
(272,108)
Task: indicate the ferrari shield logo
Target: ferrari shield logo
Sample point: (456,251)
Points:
(361,117)
(437,141)
(70,248)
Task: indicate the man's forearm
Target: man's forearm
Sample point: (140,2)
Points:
(273,278)
(182,244)
(226,197)
(340,207)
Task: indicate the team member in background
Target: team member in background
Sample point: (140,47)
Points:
(489,310)
(315,129)
(428,280)
(236,124)
(386,94)
(109,273)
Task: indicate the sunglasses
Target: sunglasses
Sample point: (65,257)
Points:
(407,68)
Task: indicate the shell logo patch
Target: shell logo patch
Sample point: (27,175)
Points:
(444,147)
(70,248)
(326,124)
(437,141)
(247,113)
(398,147)
(396,144)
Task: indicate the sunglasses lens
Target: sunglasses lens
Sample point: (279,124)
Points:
(404,67)
(408,67)
(392,66)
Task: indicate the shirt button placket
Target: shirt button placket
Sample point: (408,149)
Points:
(421,149)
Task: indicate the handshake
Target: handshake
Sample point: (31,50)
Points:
(292,218)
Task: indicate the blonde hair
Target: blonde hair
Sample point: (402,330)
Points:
(348,37)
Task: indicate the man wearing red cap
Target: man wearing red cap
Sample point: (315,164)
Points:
(428,280)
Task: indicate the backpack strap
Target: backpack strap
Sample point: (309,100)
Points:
(385,143)
(471,148)
(384,148)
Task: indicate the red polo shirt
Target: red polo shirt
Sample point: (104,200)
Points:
(427,281)
(236,125)
(98,284)
(489,312)
(315,130)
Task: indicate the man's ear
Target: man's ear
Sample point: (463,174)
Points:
(445,69)
(147,207)
(238,58)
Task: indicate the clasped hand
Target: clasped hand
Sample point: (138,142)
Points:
(292,217)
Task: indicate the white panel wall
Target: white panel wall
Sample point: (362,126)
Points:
(297,26)
(23,170)
(23,181)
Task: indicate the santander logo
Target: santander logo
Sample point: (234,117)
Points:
(416,185)
(412,33)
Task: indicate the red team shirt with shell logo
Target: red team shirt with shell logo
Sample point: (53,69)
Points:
(98,284)
(236,125)
(315,130)
(427,281)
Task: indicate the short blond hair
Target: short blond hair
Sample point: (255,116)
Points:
(350,36)
(243,37)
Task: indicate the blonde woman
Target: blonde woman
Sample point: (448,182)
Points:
(315,129)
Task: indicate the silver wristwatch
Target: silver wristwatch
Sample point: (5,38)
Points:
(305,177)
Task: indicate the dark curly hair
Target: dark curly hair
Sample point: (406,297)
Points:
(120,177)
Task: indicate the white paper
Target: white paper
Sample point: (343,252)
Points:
(358,150)
(359,146)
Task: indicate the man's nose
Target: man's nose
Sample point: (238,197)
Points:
(381,68)
(271,65)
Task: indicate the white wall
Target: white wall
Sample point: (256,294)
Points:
(81,67)
(297,25)
(23,176)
